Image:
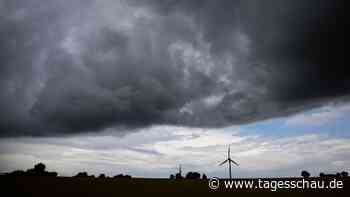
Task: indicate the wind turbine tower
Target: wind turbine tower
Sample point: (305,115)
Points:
(180,170)
(230,161)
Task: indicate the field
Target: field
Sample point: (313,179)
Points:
(86,186)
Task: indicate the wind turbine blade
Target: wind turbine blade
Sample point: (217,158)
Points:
(222,163)
(234,162)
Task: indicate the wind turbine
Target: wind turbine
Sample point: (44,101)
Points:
(229,160)
(179,174)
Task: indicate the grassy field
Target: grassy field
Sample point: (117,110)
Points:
(67,186)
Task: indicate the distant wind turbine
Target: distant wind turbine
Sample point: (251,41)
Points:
(229,160)
(179,174)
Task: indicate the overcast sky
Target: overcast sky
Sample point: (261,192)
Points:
(125,85)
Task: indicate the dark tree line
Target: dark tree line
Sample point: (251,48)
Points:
(342,174)
(189,175)
(102,176)
(38,170)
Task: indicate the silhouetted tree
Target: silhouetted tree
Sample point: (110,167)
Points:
(344,174)
(102,176)
(119,176)
(204,177)
(40,168)
(123,176)
(171,176)
(17,173)
(31,172)
(178,176)
(82,174)
(193,175)
(305,174)
(323,175)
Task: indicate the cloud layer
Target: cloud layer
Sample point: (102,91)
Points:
(86,66)
(157,152)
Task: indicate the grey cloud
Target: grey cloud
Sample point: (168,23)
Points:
(85,66)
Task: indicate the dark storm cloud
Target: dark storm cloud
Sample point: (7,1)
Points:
(84,66)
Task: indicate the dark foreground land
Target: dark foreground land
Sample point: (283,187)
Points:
(87,186)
